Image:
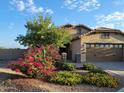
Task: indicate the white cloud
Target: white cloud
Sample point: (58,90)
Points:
(82,5)
(19,4)
(29,6)
(113,20)
(49,11)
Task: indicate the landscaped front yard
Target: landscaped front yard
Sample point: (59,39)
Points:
(17,83)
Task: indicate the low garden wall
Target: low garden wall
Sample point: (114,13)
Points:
(11,54)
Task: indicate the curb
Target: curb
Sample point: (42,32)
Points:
(121,90)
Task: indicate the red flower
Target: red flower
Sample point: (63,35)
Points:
(26,65)
(37,64)
(29,71)
(47,58)
(39,50)
(17,70)
(31,58)
(39,59)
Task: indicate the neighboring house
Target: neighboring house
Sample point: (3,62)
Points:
(101,44)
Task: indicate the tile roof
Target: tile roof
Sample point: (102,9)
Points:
(104,29)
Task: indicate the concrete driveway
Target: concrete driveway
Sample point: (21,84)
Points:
(115,67)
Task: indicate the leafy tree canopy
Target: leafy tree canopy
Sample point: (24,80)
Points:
(42,31)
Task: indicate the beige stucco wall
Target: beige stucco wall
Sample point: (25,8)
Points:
(71,30)
(83,52)
(76,48)
(79,46)
(96,38)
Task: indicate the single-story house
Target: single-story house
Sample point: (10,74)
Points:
(101,44)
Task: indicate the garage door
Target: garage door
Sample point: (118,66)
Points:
(104,52)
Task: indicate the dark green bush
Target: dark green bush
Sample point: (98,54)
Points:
(98,71)
(88,66)
(65,66)
(65,78)
(100,80)
(58,64)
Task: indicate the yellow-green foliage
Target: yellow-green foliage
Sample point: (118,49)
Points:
(89,66)
(100,80)
(65,78)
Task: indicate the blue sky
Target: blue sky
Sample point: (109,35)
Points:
(93,13)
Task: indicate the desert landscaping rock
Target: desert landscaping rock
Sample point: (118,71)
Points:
(32,85)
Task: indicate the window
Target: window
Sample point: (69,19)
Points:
(88,45)
(102,46)
(97,45)
(107,46)
(92,45)
(116,46)
(105,35)
(111,46)
(120,46)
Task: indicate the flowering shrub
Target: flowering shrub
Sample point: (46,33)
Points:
(36,64)
(53,52)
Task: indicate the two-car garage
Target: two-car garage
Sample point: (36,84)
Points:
(104,52)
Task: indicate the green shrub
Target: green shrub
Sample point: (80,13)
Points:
(65,78)
(68,67)
(65,66)
(100,80)
(88,66)
(58,64)
(98,71)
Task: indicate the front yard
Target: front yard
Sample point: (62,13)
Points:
(19,84)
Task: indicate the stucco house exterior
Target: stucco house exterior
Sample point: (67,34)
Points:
(101,44)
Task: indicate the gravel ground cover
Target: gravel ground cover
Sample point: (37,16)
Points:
(33,85)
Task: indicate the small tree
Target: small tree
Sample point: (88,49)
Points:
(42,31)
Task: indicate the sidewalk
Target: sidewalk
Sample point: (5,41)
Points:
(8,72)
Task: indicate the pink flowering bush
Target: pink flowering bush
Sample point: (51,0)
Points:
(53,52)
(37,63)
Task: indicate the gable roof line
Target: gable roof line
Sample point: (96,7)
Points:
(74,26)
(105,30)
